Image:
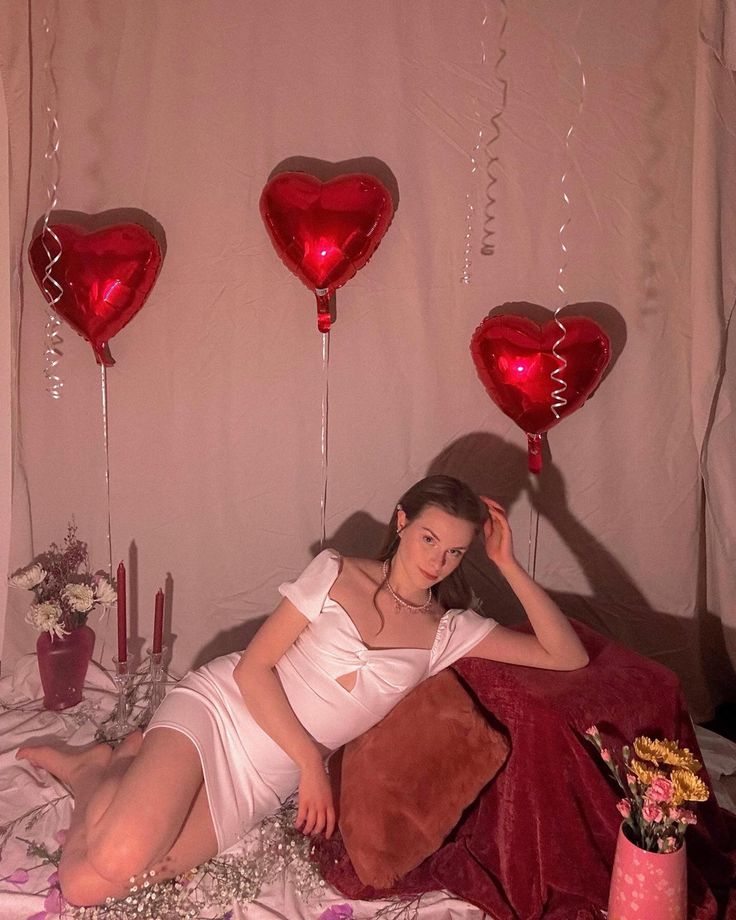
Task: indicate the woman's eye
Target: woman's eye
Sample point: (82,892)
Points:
(456,552)
(427,539)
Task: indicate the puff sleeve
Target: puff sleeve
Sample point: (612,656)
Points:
(308,592)
(458,634)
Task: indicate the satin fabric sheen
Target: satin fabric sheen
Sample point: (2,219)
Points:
(247,775)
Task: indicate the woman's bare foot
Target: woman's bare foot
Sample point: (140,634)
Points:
(65,762)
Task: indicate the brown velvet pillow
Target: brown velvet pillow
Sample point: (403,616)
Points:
(402,786)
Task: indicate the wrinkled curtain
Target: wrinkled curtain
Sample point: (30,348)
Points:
(14,167)
(179,112)
(714,354)
(5,353)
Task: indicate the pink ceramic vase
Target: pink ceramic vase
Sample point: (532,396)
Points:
(647,886)
(62,664)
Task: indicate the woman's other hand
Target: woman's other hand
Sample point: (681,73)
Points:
(497,538)
(316,813)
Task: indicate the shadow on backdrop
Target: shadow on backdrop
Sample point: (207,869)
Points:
(615,606)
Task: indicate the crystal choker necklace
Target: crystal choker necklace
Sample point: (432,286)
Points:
(400,602)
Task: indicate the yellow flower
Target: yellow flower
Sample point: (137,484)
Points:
(665,752)
(680,757)
(653,751)
(643,773)
(688,788)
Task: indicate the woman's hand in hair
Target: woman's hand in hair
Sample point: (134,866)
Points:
(497,537)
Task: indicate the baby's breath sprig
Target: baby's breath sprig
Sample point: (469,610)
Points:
(272,848)
(400,909)
(41,851)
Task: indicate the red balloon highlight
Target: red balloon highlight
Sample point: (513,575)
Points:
(515,360)
(103,277)
(324,232)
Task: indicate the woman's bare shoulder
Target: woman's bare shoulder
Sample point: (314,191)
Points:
(359,569)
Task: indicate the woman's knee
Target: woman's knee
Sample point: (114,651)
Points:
(120,859)
(82,886)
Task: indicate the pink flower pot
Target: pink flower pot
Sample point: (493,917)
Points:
(647,886)
(62,664)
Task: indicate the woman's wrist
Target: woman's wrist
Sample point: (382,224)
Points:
(508,566)
(311,760)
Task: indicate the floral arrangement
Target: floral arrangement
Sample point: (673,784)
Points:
(660,783)
(64,595)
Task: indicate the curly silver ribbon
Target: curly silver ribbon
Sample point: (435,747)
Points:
(488,246)
(324,443)
(51,287)
(559,383)
(469,206)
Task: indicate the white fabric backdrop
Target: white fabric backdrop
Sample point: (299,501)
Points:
(183,109)
(714,286)
(5,352)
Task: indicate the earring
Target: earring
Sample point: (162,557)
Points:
(399,527)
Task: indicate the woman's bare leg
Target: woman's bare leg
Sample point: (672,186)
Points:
(142,807)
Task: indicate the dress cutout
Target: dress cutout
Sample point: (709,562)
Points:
(247,775)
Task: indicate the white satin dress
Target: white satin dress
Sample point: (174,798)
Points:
(246,774)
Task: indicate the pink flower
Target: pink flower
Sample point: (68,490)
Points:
(19,877)
(52,901)
(53,879)
(660,790)
(684,815)
(624,806)
(606,755)
(60,836)
(592,731)
(337,912)
(652,813)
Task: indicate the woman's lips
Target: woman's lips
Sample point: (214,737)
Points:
(428,575)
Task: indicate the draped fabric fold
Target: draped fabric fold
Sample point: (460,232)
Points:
(713,286)
(15,128)
(183,111)
(718,29)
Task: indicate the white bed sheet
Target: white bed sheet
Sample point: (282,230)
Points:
(23,789)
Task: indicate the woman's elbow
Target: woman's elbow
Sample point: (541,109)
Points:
(248,674)
(580,660)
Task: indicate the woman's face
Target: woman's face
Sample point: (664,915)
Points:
(431,545)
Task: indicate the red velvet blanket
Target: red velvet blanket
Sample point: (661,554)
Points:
(539,840)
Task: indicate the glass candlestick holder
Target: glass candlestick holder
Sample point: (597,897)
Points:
(156,678)
(122,678)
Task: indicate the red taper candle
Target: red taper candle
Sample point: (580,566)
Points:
(122,616)
(158,622)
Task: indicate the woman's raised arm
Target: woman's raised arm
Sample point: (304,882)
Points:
(555,644)
(269,706)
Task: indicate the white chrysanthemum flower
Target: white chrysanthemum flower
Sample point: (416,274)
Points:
(105,594)
(46,618)
(79,597)
(29,577)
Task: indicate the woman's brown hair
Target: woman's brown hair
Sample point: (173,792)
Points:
(456,498)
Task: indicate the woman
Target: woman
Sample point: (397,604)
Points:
(350,638)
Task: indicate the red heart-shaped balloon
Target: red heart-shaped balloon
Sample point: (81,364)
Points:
(325,231)
(101,278)
(514,359)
